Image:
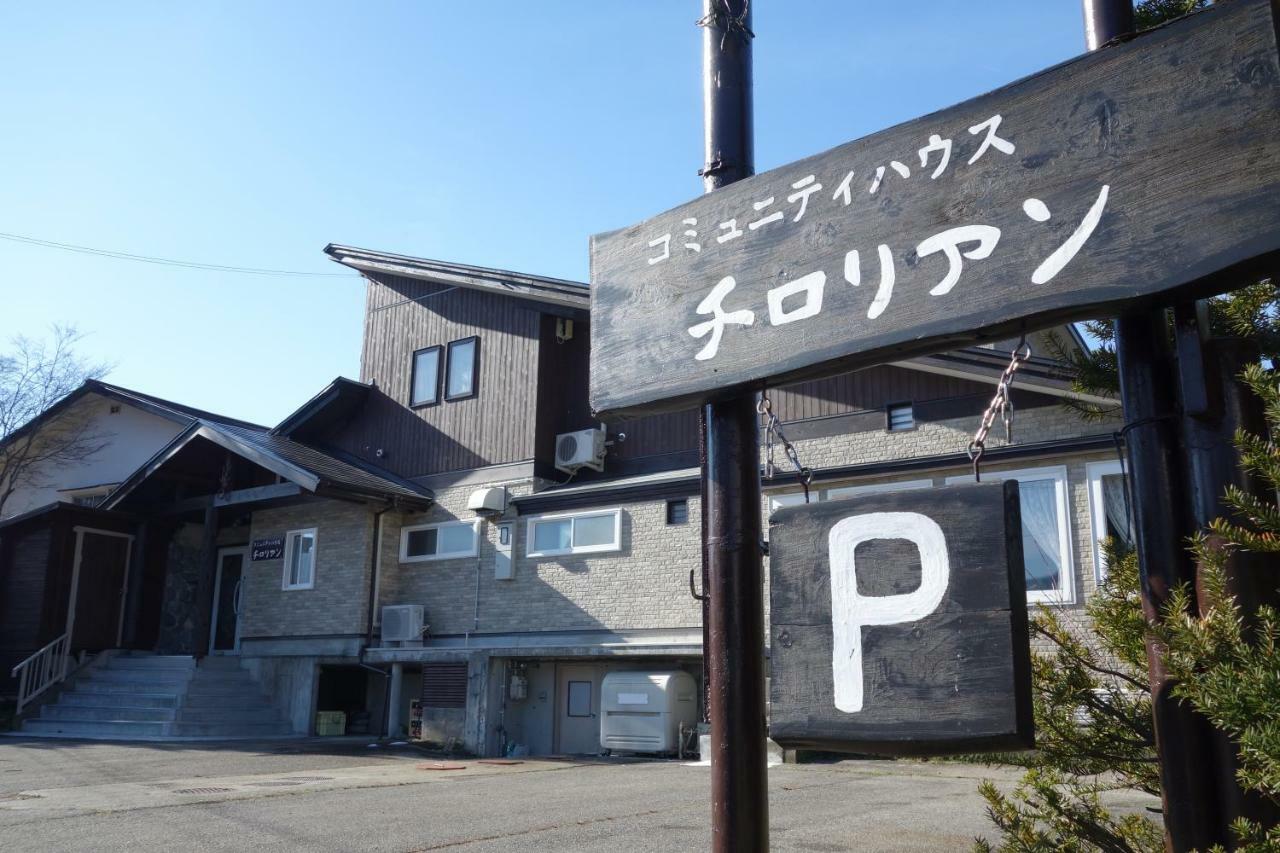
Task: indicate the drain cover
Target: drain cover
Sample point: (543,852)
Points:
(204,790)
(310,778)
(278,783)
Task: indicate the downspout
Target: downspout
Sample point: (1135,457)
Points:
(375,566)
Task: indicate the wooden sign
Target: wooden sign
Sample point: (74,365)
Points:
(899,623)
(1148,170)
(266,549)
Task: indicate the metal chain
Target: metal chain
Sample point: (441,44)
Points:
(772,436)
(1001,406)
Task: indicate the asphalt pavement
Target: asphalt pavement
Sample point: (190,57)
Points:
(326,796)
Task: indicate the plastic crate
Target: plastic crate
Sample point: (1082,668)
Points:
(330,723)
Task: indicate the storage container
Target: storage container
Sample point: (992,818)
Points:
(642,711)
(331,723)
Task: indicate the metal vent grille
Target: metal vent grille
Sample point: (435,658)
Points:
(901,417)
(444,685)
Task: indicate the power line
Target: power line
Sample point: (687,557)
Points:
(148,259)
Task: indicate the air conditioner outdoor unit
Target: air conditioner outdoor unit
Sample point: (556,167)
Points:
(582,449)
(402,623)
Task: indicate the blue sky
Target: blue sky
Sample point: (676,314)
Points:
(501,134)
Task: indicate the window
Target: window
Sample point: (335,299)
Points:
(444,685)
(426,377)
(1046,531)
(581,533)
(678,511)
(579,704)
(1108,511)
(300,559)
(899,417)
(460,381)
(438,541)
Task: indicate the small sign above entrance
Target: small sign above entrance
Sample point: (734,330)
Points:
(899,623)
(267,549)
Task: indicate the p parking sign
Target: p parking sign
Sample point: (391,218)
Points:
(899,623)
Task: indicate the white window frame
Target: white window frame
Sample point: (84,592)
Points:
(1066,594)
(288,558)
(608,547)
(1095,471)
(818,495)
(452,555)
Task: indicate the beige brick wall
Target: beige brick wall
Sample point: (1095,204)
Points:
(642,586)
(338,602)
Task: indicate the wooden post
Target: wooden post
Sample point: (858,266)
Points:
(137,579)
(1157,476)
(1215,405)
(734,655)
(204,586)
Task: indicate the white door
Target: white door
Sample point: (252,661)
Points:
(228,591)
(578,709)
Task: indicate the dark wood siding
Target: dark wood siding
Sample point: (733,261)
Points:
(867,390)
(662,441)
(494,427)
(24,563)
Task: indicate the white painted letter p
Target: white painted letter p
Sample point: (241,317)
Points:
(850,611)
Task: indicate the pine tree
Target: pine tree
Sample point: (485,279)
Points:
(1092,705)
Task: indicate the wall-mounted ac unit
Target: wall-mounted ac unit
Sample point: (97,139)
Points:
(582,449)
(402,623)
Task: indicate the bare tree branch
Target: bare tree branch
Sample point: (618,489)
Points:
(34,377)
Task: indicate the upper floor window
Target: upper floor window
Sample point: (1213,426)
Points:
(300,559)
(460,380)
(678,511)
(425,384)
(574,533)
(444,541)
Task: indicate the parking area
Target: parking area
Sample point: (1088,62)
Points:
(326,796)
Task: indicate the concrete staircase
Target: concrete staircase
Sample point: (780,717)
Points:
(135,696)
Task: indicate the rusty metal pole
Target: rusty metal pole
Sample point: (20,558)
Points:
(734,653)
(1156,461)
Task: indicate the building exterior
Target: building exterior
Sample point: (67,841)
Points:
(124,428)
(433,482)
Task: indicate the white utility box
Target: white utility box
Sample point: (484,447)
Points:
(642,711)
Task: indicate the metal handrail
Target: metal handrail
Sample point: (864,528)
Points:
(41,670)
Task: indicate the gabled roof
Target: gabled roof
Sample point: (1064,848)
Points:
(340,399)
(161,406)
(314,470)
(552,291)
(176,412)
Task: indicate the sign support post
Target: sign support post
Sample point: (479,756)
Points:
(1148,391)
(734,654)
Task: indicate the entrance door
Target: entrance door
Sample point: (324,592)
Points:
(578,709)
(99,577)
(224,626)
